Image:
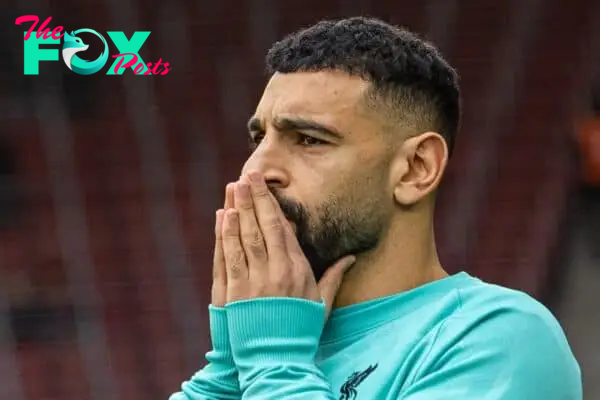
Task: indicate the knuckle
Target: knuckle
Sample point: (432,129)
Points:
(279,245)
(275,225)
(235,262)
(230,232)
(261,193)
(239,258)
(245,205)
(254,243)
(282,279)
(235,270)
(258,250)
(253,238)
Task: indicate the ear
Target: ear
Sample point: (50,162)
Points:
(420,164)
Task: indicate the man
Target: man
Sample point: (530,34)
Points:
(334,210)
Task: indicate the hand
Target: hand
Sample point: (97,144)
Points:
(219,285)
(262,255)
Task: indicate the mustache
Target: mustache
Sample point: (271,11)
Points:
(291,209)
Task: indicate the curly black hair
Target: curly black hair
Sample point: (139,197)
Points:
(407,74)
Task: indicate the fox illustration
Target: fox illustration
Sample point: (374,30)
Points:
(73,45)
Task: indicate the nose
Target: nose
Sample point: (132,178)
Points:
(270,159)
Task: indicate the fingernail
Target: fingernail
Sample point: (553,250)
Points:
(243,190)
(229,189)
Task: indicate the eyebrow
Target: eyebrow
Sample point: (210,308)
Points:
(295,124)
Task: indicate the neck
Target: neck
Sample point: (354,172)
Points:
(404,259)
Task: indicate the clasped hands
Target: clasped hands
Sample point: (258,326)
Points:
(257,253)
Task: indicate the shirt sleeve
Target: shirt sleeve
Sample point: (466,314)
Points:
(274,342)
(505,355)
(218,380)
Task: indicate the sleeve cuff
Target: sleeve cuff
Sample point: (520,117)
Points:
(275,330)
(219,332)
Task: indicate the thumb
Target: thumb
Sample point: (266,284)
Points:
(330,283)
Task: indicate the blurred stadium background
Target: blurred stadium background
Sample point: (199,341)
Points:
(108,184)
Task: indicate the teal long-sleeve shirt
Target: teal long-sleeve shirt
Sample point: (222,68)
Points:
(454,339)
(219,378)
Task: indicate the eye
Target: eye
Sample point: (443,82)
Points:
(254,140)
(305,140)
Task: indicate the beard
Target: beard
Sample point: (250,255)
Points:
(333,231)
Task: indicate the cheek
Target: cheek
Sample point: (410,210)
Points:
(368,189)
(310,180)
(315,172)
(347,179)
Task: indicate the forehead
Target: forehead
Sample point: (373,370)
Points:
(328,94)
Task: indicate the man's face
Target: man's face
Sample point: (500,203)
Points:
(325,161)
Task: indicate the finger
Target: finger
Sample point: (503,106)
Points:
(235,259)
(330,282)
(229,202)
(250,233)
(300,263)
(269,222)
(218,257)
(219,284)
(292,245)
(279,212)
